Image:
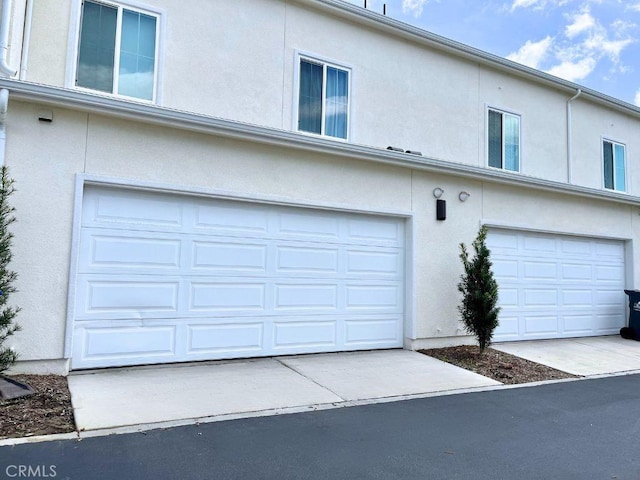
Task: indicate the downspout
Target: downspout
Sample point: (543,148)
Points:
(26,40)
(5,71)
(4,104)
(570,137)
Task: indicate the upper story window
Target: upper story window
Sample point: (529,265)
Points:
(504,140)
(323,103)
(613,154)
(117,50)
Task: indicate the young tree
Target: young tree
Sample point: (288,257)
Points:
(479,292)
(7,313)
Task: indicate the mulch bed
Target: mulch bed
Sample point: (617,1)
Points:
(47,411)
(499,366)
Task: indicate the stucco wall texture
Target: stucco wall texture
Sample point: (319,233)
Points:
(403,93)
(45,159)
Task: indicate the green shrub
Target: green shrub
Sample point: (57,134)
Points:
(479,291)
(7,277)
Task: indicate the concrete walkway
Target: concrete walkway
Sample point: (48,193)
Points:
(580,356)
(176,394)
(129,399)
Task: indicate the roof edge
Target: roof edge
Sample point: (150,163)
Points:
(439,42)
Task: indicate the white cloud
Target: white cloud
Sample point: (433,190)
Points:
(581,23)
(635,7)
(612,48)
(538,4)
(524,3)
(574,71)
(623,27)
(599,43)
(586,42)
(413,6)
(531,53)
(637,99)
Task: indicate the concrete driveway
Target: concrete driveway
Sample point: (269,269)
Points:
(156,396)
(187,393)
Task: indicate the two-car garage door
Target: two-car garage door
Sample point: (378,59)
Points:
(554,286)
(169,278)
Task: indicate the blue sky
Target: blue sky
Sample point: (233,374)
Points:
(595,43)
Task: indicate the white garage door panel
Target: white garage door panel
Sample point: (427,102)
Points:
(151,212)
(305,334)
(220,279)
(131,252)
(122,251)
(163,297)
(115,342)
(370,331)
(152,341)
(555,286)
(225,337)
(578,324)
(145,212)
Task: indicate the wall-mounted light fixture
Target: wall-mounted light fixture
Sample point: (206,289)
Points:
(464,196)
(395,149)
(437,192)
(414,152)
(441,209)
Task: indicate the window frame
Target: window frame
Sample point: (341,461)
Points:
(502,111)
(614,143)
(325,62)
(74,44)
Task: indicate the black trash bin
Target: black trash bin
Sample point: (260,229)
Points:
(634,309)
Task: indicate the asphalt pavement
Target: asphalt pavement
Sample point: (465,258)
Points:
(586,429)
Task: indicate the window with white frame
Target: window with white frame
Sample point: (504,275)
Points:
(323,98)
(613,156)
(503,140)
(117,50)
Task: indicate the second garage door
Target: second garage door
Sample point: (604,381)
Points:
(168,278)
(554,286)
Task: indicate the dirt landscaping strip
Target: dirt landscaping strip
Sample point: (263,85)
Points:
(499,366)
(46,412)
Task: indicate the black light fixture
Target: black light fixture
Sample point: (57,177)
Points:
(441,209)
(414,152)
(395,149)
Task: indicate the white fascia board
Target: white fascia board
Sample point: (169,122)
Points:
(361,15)
(153,114)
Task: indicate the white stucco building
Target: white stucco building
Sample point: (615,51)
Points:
(204,180)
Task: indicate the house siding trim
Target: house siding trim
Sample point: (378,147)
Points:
(152,114)
(565,232)
(84,179)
